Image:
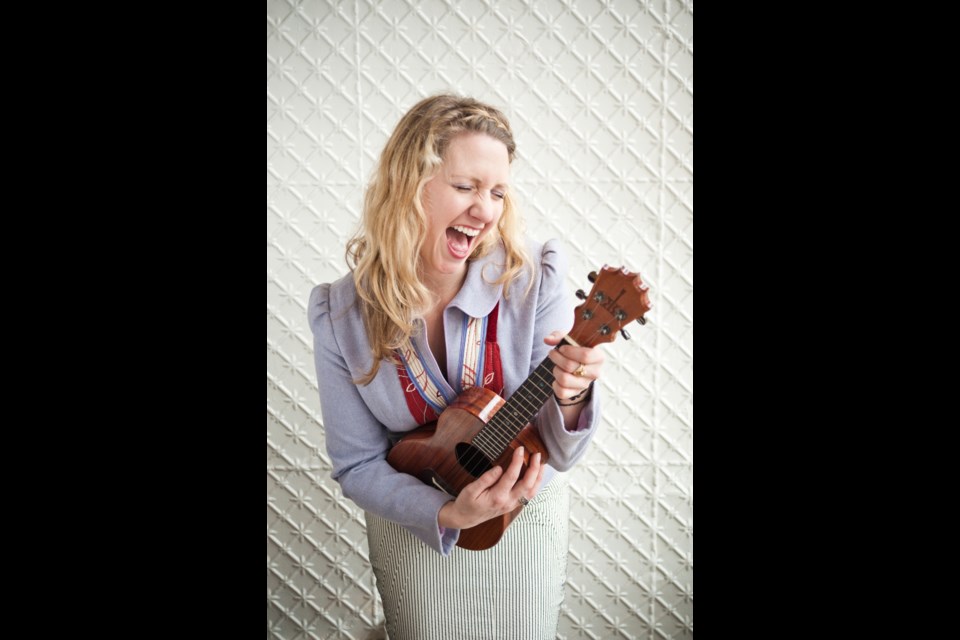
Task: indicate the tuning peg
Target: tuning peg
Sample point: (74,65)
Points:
(641,320)
(623,332)
(592,276)
(581,294)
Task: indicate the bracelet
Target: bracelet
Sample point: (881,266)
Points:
(577,399)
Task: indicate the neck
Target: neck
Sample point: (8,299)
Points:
(444,285)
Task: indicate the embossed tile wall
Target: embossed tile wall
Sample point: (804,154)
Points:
(600,94)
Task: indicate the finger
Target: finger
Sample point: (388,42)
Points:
(565,364)
(568,384)
(554,338)
(536,486)
(594,357)
(534,473)
(528,488)
(586,355)
(489,478)
(513,471)
(481,484)
(576,374)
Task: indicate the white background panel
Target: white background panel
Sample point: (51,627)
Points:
(600,97)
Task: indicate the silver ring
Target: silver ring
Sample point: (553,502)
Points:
(523,501)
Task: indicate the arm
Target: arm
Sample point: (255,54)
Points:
(566,431)
(358,444)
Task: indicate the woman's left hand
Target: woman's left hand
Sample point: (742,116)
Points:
(576,367)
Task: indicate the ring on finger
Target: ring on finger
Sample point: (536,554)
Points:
(523,501)
(579,371)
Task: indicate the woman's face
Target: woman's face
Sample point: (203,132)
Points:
(464,201)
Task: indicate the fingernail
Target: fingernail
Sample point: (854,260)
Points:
(520,450)
(537,457)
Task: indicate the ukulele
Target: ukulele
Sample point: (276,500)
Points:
(480,429)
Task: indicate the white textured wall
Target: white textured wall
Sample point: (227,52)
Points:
(600,96)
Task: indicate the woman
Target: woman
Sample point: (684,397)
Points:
(444,294)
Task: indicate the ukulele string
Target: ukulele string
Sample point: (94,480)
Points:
(499,440)
(491,436)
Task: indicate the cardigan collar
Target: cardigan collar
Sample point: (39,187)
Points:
(477,297)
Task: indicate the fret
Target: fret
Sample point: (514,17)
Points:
(518,411)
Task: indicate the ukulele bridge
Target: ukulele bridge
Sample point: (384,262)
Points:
(429,476)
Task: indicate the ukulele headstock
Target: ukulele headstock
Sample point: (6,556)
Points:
(617,298)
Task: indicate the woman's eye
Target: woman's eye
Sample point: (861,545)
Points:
(460,187)
(497,195)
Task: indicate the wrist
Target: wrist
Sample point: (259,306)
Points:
(580,398)
(447,517)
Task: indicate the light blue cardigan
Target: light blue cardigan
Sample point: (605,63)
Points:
(362,422)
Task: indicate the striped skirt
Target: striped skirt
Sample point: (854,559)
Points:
(511,591)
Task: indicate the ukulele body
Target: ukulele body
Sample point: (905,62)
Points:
(443,455)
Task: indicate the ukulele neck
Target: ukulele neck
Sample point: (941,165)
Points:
(519,410)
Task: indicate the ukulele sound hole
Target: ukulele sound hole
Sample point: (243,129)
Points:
(472,459)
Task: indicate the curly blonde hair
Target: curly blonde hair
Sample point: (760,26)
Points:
(384,254)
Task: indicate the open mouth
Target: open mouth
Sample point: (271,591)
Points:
(460,239)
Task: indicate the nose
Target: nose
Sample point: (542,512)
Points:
(483,208)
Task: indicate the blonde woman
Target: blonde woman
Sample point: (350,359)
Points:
(444,294)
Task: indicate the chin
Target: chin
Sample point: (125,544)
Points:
(446,266)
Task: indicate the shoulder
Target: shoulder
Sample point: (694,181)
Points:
(328,300)
(549,261)
(550,256)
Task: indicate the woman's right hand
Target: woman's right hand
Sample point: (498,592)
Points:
(494,493)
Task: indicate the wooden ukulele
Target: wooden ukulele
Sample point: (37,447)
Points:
(480,429)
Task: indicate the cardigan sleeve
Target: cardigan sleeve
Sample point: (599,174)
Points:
(358,444)
(554,311)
